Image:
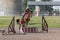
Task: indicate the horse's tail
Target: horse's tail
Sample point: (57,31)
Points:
(17,21)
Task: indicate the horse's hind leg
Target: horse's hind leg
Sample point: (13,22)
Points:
(20,29)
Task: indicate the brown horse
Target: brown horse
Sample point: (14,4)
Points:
(24,21)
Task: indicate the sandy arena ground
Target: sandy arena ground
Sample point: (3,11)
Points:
(53,34)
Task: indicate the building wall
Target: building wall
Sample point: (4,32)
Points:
(42,7)
(10,7)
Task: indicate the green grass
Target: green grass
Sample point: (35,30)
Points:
(53,21)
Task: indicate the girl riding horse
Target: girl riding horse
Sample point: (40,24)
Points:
(25,18)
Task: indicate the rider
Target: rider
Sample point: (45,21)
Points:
(25,12)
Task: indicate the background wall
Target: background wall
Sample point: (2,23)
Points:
(11,7)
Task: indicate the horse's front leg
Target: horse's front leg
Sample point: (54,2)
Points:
(27,22)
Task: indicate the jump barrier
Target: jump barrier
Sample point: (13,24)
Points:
(35,29)
(30,29)
(11,27)
(44,25)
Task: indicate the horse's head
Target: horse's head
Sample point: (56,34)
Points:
(30,12)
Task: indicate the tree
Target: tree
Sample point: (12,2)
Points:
(25,4)
(49,9)
(32,7)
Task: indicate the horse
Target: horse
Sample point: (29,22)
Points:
(25,20)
